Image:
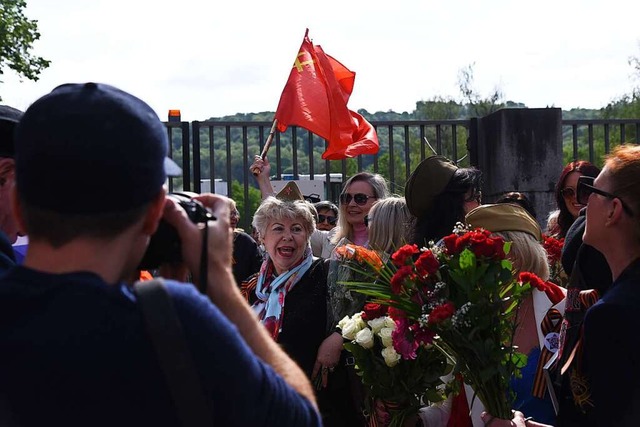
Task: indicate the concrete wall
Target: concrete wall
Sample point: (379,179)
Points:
(520,149)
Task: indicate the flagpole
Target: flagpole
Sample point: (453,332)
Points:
(267,144)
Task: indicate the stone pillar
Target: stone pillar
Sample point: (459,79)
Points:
(520,149)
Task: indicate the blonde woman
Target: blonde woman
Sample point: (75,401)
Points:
(390,224)
(514,224)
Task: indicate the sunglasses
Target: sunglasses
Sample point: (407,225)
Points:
(586,188)
(330,219)
(569,192)
(359,198)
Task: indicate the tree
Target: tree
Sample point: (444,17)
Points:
(17,35)
(478,105)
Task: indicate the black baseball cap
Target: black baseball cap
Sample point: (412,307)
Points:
(9,118)
(91,148)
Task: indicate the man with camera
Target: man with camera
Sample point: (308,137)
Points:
(91,162)
(9,117)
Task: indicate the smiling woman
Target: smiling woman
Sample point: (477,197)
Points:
(289,277)
(566,188)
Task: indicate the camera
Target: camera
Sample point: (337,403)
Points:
(165,246)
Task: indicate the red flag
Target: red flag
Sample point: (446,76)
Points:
(315,98)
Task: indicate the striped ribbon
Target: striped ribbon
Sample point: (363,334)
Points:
(551,323)
(587,299)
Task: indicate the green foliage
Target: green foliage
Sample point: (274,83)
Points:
(237,194)
(17,35)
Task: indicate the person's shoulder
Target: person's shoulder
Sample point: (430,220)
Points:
(611,319)
(239,234)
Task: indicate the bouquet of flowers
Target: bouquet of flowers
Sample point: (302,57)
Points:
(397,388)
(553,247)
(349,263)
(463,297)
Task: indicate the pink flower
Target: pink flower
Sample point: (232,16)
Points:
(403,341)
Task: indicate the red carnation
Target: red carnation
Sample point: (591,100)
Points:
(553,247)
(441,313)
(423,335)
(396,313)
(450,243)
(398,280)
(404,254)
(427,264)
(373,311)
(482,245)
(533,280)
(462,242)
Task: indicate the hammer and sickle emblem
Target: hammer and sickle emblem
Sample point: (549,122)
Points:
(299,64)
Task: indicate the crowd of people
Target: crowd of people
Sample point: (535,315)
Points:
(256,315)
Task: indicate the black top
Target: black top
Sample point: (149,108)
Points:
(246,256)
(612,352)
(304,318)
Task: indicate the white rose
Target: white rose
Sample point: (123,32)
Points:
(376,324)
(389,323)
(343,322)
(351,328)
(364,338)
(385,336)
(358,318)
(391,357)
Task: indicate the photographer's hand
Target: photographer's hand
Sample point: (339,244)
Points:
(220,236)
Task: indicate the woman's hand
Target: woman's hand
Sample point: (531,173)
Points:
(518,421)
(328,356)
(262,165)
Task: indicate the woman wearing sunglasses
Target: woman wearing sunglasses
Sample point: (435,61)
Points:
(359,194)
(327,215)
(568,206)
(610,385)
(611,345)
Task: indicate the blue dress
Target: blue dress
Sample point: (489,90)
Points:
(540,409)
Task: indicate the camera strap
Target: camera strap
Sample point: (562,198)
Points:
(172,350)
(204,260)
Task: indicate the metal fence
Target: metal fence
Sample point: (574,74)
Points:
(592,139)
(217,154)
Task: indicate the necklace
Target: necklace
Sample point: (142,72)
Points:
(521,320)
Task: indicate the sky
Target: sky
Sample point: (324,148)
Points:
(216,58)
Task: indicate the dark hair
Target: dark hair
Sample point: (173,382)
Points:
(325,204)
(565,219)
(58,229)
(448,207)
(519,199)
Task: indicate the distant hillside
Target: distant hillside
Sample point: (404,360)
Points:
(425,110)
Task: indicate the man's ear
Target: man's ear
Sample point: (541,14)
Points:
(154,213)
(616,212)
(16,207)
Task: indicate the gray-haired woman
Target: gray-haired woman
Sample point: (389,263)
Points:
(289,292)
